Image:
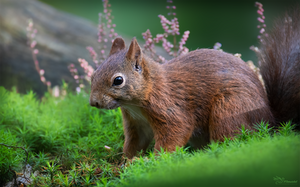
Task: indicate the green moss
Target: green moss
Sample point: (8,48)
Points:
(11,158)
(68,134)
(253,163)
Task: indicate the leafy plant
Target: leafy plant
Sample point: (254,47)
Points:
(11,157)
(51,169)
(171,30)
(286,128)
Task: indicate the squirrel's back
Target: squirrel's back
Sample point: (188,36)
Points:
(280,67)
(210,64)
(206,88)
(212,70)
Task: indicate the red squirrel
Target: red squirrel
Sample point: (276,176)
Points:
(202,96)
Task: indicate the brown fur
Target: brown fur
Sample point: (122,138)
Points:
(200,97)
(280,68)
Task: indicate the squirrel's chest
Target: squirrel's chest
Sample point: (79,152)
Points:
(140,122)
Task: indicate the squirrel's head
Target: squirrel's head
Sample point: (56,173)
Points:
(122,78)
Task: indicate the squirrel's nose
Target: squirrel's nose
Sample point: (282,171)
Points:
(94,103)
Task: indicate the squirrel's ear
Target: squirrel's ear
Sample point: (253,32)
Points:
(117,45)
(134,52)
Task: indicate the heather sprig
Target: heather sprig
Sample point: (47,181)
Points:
(261,26)
(171,28)
(261,20)
(31,33)
(93,54)
(106,31)
(88,70)
(78,79)
(106,35)
(149,45)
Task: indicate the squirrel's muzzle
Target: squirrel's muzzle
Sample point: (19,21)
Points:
(106,102)
(94,103)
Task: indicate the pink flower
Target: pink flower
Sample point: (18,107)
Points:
(183,39)
(162,59)
(158,38)
(167,46)
(32,35)
(76,77)
(42,72)
(106,147)
(260,12)
(35,51)
(43,79)
(93,54)
(260,20)
(184,51)
(56,91)
(258,4)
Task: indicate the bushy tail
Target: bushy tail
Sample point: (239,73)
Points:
(280,67)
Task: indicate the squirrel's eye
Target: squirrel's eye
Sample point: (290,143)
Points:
(118,81)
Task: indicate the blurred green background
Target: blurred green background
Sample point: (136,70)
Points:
(232,23)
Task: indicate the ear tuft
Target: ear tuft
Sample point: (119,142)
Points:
(117,46)
(134,52)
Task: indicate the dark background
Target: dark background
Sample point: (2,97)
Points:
(232,23)
(62,37)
